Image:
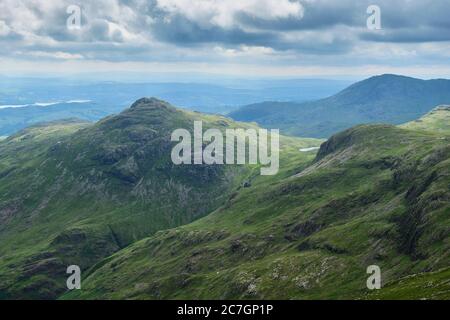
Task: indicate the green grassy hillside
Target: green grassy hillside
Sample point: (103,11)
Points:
(373,195)
(107,197)
(437,120)
(74,193)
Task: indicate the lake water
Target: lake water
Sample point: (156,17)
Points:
(309,149)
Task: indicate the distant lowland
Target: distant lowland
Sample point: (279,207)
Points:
(306,108)
(26,101)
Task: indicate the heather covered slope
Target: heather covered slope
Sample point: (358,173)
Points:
(374,194)
(387,98)
(73,192)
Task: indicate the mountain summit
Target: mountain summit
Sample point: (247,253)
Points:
(75,192)
(151,103)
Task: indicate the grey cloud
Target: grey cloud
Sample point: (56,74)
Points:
(185,32)
(326,27)
(402,21)
(412,22)
(408,35)
(318,15)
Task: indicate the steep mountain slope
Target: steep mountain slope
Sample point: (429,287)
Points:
(373,195)
(74,193)
(387,98)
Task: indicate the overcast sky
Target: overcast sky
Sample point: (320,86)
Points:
(295,38)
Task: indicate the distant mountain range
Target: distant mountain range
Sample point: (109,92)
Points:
(387,98)
(25,101)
